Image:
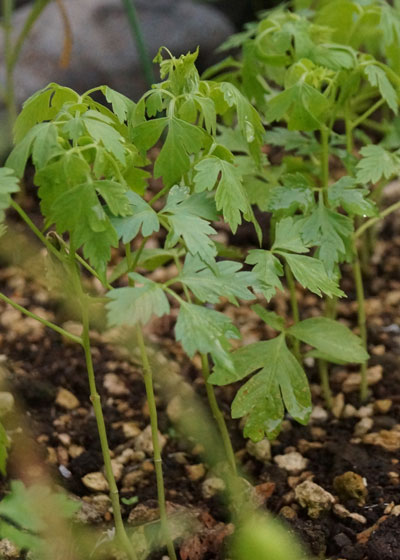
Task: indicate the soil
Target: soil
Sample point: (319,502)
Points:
(37,363)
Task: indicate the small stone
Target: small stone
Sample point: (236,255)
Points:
(313,497)
(338,405)
(8,550)
(6,403)
(365,411)
(388,439)
(95,481)
(318,433)
(379,350)
(131,479)
(292,462)
(396,511)
(344,513)
(382,406)
(195,472)
(363,426)
(65,439)
(72,327)
(75,450)
(52,456)
(261,450)
(143,442)
(304,445)
(130,429)
(114,385)
(349,411)
(147,466)
(130,456)
(350,485)
(353,380)
(319,414)
(92,510)
(358,517)
(66,399)
(180,457)
(212,486)
(288,513)
(117,469)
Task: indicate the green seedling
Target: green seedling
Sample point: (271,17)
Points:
(336,88)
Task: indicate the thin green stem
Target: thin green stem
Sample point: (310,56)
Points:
(349,131)
(367,113)
(324,377)
(160,193)
(49,324)
(148,382)
(35,12)
(372,221)
(120,532)
(137,35)
(295,308)
(218,416)
(8,7)
(325,157)
(362,321)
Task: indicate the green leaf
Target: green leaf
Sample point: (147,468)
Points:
(330,232)
(223,280)
(121,104)
(141,215)
(351,198)
(79,212)
(147,133)
(9,184)
(25,514)
(280,379)
(45,145)
(183,139)
(42,106)
(4,445)
(194,231)
(267,270)
(330,337)
(311,274)
(269,317)
(248,119)
(298,141)
(295,194)
(136,304)
(378,78)
(230,195)
(303,105)
(207,331)
(115,196)
(106,135)
(288,236)
(377,163)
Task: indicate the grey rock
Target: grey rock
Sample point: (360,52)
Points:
(103,50)
(313,497)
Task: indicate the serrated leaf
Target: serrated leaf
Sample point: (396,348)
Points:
(288,236)
(183,139)
(269,317)
(267,270)
(303,105)
(9,184)
(194,231)
(132,305)
(115,196)
(107,136)
(378,78)
(295,194)
(280,379)
(230,194)
(351,197)
(45,145)
(121,104)
(311,274)
(330,337)
(377,163)
(224,279)
(330,232)
(301,142)
(207,331)
(141,215)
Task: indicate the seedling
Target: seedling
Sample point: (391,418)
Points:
(325,80)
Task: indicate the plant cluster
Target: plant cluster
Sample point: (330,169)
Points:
(92,162)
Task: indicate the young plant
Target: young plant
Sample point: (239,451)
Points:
(327,92)
(89,169)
